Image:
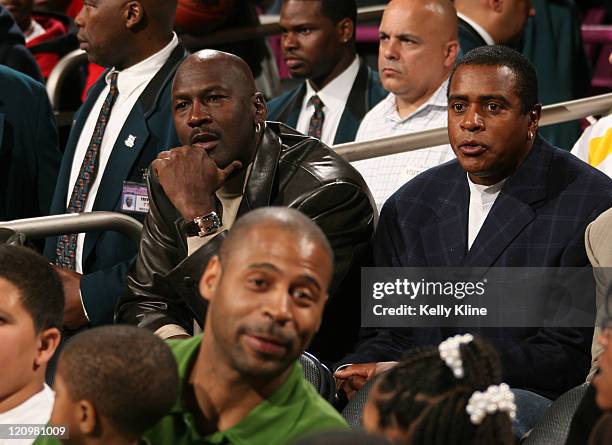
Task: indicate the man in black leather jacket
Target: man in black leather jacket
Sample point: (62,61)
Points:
(231,162)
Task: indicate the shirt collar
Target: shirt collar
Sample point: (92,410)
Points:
(437,99)
(485,194)
(479,29)
(262,421)
(132,77)
(336,93)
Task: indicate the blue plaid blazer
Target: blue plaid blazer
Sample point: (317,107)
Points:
(538,220)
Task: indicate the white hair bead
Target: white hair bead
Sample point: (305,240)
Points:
(497,398)
(451,355)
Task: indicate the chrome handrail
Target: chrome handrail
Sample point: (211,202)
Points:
(44,226)
(59,72)
(551,114)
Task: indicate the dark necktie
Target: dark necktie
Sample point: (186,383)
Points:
(316,121)
(67,244)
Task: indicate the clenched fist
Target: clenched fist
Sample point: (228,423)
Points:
(190,179)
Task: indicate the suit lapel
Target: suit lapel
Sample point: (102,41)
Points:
(512,210)
(130,143)
(119,166)
(258,192)
(475,38)
(356,107)
(291,111)
(448,238)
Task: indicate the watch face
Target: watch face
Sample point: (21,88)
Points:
(208,224)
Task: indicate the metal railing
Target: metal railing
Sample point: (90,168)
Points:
(54,225)
(551,114)
(56,81)
(354,151)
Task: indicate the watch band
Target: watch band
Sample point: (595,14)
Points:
(203,225)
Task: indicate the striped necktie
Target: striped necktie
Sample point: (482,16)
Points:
(67,244)
(315,128)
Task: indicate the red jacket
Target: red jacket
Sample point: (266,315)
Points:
(47,54)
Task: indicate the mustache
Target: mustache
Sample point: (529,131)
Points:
(270,331)
(203,130)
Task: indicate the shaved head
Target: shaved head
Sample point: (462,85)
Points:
(267,290)
(121,33)
(439,15)
(236,70)
(283,218)
(214,93)
(417,50)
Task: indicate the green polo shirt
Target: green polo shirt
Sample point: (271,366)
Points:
(293,410)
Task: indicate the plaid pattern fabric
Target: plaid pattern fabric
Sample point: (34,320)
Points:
(538,220)
(67,244)
(316,121)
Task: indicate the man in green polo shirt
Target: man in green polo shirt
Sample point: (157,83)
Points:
(241,383)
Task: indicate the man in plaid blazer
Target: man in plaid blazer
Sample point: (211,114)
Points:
(540,201)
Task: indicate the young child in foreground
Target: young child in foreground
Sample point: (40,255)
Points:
(447,395)
(112,384)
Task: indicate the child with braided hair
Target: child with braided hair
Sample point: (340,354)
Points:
(446,395)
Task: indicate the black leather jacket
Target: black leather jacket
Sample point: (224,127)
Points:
(290,170)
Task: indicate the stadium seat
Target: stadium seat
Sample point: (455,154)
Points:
(553,427)
(353,411)
(8,236)
(319,375)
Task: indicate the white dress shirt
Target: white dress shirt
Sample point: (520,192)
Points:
(479,29)
(35,411)
(482,198)
(385,174)
(334,96)
(131,82)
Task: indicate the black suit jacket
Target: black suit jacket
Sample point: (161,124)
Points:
(366,92)
(289,170)
(469,38)
(538,220)
(107,254)
(29,155)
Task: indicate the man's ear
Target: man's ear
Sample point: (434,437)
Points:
(451,51)
(260,108)
(496,5)
(48,341)
(133,14)
(345,29)
(86,416)
(534,118)
(210,278)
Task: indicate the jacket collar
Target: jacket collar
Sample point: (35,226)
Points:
(356,106)
(258,192)
(514,208)
(123,157)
